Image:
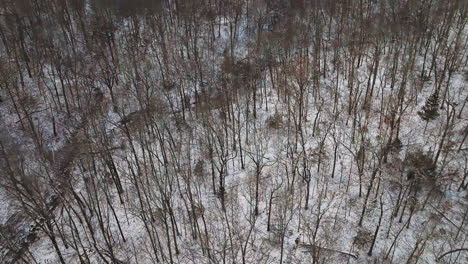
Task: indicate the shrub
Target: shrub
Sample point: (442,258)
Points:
(420,167)
(275,121)
(362,238)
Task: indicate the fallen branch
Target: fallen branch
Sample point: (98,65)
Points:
(311,248)
(446,218)
(450,252)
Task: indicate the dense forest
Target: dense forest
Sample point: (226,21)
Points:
(233,131)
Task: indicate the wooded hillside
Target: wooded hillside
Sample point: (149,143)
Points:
(233,131)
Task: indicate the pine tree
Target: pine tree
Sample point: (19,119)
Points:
(430,110)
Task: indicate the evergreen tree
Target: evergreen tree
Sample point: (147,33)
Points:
(430,110)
